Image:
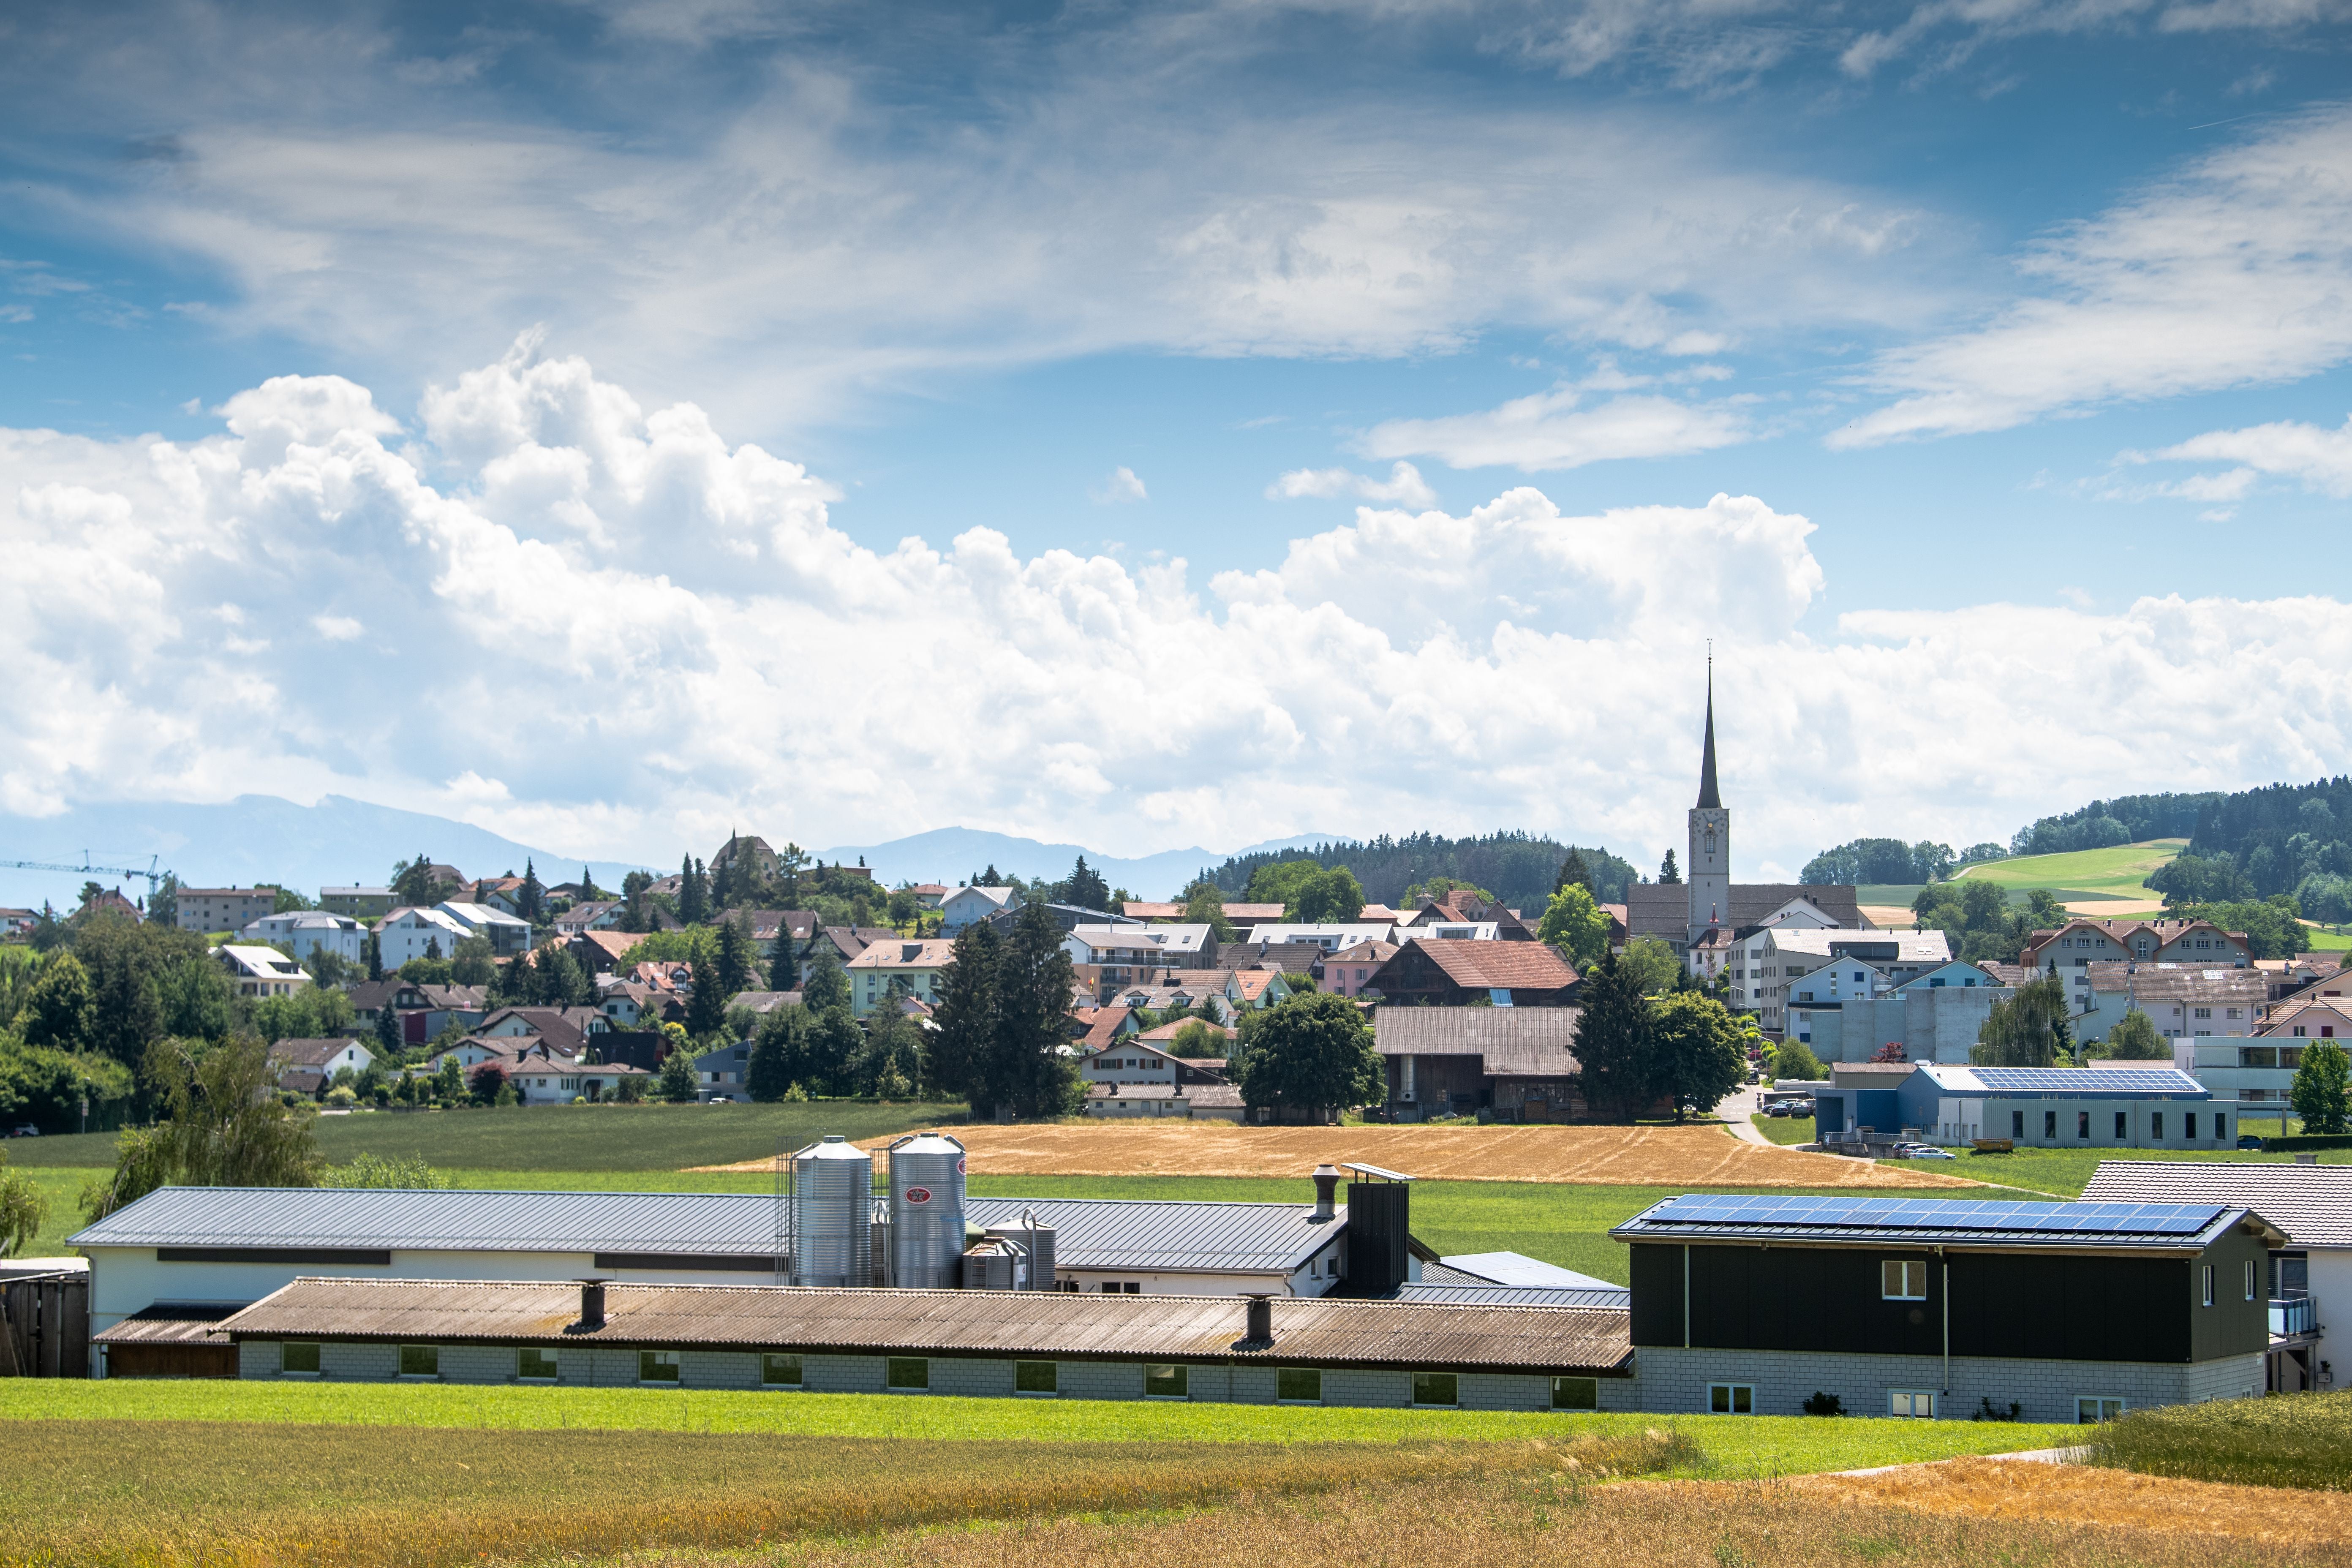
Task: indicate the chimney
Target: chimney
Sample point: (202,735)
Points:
(1327,1189)
(2307,1159)
(592,1307)
(1260,1321)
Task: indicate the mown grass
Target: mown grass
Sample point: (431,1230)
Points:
(1785,1128)
(573,1137)
(2302,1440)
(2065,1173)
(2119,872)
(1735,1445)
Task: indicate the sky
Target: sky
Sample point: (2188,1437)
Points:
(614,422)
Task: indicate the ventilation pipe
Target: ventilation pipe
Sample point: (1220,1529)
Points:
(592,1307)
(1327,1192)
(1260,1321)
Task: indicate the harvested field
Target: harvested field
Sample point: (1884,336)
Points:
(1694,1156)
(2082,1494)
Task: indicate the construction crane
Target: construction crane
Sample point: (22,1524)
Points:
(154,878)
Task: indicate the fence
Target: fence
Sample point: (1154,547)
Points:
(44,1326)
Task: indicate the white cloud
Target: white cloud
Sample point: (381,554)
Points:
(2320,457)
(1120,488)
(2238,271)
(1404,486)
(1558,429)
(609,631)
(337,628)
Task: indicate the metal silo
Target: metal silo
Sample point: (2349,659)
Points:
(832,1238)
(927,1232)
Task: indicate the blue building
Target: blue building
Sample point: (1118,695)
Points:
(2117,1105)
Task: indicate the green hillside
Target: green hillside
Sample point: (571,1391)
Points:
(2120,872)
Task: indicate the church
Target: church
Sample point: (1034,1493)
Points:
(1708,912)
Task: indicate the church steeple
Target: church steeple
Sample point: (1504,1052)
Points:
(1708,800)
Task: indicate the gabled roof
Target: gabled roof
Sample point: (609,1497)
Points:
(1497,966)
(2313,1204)
(314,1053)
(1511,1042)
(1912,1222)
(2179,981)
(1662,908)
(905,953)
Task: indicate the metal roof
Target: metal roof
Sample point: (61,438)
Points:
(1527,1042)
(1899,1222)
(2313,1204)
(1306,1330)
(1131,1234)
(1616,1297)
(1518,1268)
(2134,1082)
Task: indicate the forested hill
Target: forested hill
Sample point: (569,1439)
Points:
(1517,867)
(2126,819)
(2285,838)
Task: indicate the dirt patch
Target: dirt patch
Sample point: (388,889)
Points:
(1890,917)
(1699,1156)
(2079,1494)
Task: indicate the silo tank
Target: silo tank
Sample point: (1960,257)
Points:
(926,1228)
(1039,1240)
(833,1242)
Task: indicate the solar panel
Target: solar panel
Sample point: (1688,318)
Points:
(2062,1080)
(1912,1214)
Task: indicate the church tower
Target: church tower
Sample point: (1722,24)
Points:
(1708,873)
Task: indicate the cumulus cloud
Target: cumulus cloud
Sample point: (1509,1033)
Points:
(2238,271)
(1404,486)
(1120,488)
(608,629)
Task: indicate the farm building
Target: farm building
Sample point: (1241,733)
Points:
(2111,1105)
(1893,1307)
(1452,1061)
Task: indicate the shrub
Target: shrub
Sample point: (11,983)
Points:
(1819,1404)
(342,1096)
(1985,1412)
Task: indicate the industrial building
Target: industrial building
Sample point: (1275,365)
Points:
(2111,1105)
(2064,1311)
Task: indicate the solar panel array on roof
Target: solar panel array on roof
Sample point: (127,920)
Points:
(2073,1080)
(1897,1214)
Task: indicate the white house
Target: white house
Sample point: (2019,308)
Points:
(2182,1000)
(1127,954)
(921,965)
(298,931)
(261,970)
(508,934)
(1333,936)
(412,932)
(1798,961)
(970,906)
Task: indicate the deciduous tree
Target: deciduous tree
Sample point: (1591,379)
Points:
(1312,1053)
(2027,1030)
(2322,1087)
(1573,923)
(2134,1038)
(223,1127)
(1697,1051)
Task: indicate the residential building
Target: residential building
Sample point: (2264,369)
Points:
(848,941)
(1137,955)
(1093,1028)
(930,895)
(2308,1276)
(2255,1073)
(571,1030)
(411,933)
(596,914)
(1346,971)
(1066,917)
(321,1059)
(601,952)
(2071,1313)
(261,970)
(508,934)
(2327,1017)
(359,902)
(2181,1000)
(15,921)
(2086,941)
(1935,1016)
(1105,1099)
(1329,937)
(2117,1105)
(223,908)
(304,931)
(1779,966)
(1519,1064)
(1458,973)
(724,1074)
(423,1011)
(921,966)
(970,906)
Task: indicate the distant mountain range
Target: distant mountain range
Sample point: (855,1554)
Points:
(262,838)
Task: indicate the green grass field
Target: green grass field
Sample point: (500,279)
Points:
(2303,1440)
(2120,872)
(1785,1128)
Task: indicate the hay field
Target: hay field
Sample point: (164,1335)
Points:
(1700,1156)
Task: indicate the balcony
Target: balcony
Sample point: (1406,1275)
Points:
(2293,1318)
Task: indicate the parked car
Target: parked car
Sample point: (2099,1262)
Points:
(2248,1140)
(1929,1152)
(1778,1108)
(24,1130)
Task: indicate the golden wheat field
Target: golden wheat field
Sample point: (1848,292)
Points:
(1696,1155)
(1990,1488)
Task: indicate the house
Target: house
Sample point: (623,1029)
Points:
(2085,940)
(2312,1204)
(261,970)
(2254,1071)
(1139,1099)
(322,1057)
(508,934)
(1456,974)
(2116,1104)
(1066,917)
(358,902)
(1236,915)
(2316,1017)
(542,1075)
(970,906)
(848,941)
(1346,971)
(422,1012)
(14,922)
(601,952)
(1277,958)
(596,914)
(920,966)
(930,895)
(1329,937)
(570,1030)
(1780,966)
(1519,1064)
(1093,1028)
(1926,1308)
(305,931)
(1935,1016)
(2181,1000)
(412,932)
(221,909)
(724,1074)
(1130,954)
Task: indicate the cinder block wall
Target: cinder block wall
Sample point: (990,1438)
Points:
(1676,1381)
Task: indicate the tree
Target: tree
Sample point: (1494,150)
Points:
(1023,1071)
(372,953)
(637,901)
(2134,1038)
(1204,904)
(489,1082)
(588,884)
(693,892)
(1668,872)
(450,1082)
(1613,1040)
(706,1010)
(678,1078)
(375,1171)
(472,963)
(1279,882)
(1794,1060)
(889,1065)
(414,884)
(1087,887)
(224,1127)
(24,1208)
(58,1011)
(778,1053)
(1654,964)
(1328,897)
(125,962)
(2320,1090)
(1312,1053)
(2027,1030)
(966,1014)
(1573,923)
(833,1041)
(739,956)
(1573,871)
(1198,1039)
(826,986)
(530,898)
(1697,1052)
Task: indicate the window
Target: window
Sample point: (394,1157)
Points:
(299,1359)
(2156,1126)
(535,1365)
(907,1373)
(1035,1377)
(1576,1393)
(2082,1124)
(1298,1386)
(2189,1125)
(420,1361)
(1732,1398)
(1163,1383)
(1903,1279)
(1916,1403)
(2050,1125)
(777,1371)
(2017,1124)
(2209,1284)
(1434,1388)
(2204,1012)
(2221,1128)
(657,1366)
(2092,1409)
(2250,1278)
(2123,1125)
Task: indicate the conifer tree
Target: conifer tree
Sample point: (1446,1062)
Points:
(1614,1048)
(1669,873)
(1574,870)
(967,1009)
(706,1010)
(784,969)
(739,955)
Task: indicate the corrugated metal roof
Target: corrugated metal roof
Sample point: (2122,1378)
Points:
(1138,1234)
(1518,1269)
(1512,1041)
(1308,1332)
(170,1323)
(1608,1298)
(1915,1223)
(2313,1204)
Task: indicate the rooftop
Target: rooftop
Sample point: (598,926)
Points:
(1537,1042)
(2313,1204)
(1883,1221)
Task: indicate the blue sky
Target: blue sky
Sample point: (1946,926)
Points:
(2036,316)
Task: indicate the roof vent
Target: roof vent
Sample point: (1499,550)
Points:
(1327,1191)
(1259,1324)
(592,1307)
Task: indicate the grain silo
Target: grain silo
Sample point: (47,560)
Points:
(831,1198)
(926,1228)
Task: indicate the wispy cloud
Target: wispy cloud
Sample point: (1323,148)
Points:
(1403,487)
(1119,489)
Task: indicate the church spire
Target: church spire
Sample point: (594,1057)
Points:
(1708,800)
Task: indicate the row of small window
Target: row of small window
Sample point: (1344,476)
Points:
(1914,1403)
(2123,1125)
(1905,1280)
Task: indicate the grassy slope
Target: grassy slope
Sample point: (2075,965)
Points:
(1785,1128)
(2120,872)
(2303,1440)
(1745,1445)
